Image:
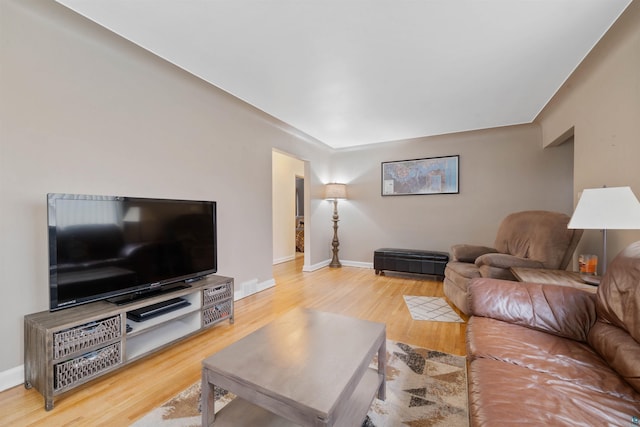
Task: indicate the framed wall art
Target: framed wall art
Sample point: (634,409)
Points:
(433,175)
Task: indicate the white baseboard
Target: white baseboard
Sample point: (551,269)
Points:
(284,259)
(11,377)
(358,264)
(347,263)
(314,267)
(267,284)
(251,287)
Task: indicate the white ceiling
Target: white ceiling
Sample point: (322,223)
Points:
(353,72)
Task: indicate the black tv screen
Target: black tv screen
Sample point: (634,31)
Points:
(101,247)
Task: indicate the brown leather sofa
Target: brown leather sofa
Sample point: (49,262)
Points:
(531,239)
(556,355)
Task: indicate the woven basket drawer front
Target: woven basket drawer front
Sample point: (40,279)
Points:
(85,336)
(214,295)
(88,365)
(217,312)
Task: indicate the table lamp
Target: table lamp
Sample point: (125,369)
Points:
(335,191)
(607,208)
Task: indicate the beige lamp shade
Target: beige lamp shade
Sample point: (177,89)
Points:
(335,191)
(607,208)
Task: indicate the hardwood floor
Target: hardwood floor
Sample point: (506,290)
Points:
(120,398)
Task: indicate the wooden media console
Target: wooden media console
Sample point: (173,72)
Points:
(67,348)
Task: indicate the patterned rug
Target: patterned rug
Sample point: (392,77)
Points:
(431,308)
(425,388)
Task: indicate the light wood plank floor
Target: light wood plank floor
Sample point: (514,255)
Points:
(120,398)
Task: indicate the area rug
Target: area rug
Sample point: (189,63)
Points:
(425,388)
(431,308)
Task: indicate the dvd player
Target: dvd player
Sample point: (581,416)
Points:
(153,310)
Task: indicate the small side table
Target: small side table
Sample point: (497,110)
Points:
(553,277)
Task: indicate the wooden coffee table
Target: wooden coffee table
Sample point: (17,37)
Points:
(306,368)
(553,277)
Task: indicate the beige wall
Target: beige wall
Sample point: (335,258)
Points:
(601,102)
(84,111)
(285,170)
(501,171)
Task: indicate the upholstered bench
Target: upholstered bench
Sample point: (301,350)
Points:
(410,261)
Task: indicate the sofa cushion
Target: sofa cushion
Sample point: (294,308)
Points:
(616,335)
(559,310)
(506,261)
(501,394)
(469,253)
(619,293)
(539,235)
(620,350)
(461,270)
(456,276)
(557,357)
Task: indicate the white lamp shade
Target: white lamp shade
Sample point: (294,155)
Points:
(608,208)
(335,191)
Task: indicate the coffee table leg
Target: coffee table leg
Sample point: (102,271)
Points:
(382,369)
(207,400)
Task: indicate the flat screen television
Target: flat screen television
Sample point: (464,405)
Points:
(120,248)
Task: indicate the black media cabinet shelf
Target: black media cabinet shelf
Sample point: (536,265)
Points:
(410,261)
(67,348)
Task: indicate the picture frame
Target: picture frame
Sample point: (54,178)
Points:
(431,175)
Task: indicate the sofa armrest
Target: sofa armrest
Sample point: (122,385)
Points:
(559,310)
(469,253)
(506,261)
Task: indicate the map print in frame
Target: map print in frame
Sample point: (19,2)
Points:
(434,175)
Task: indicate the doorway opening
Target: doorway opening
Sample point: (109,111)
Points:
(299,195)
(289,202)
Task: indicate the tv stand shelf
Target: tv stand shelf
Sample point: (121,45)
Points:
(67,348)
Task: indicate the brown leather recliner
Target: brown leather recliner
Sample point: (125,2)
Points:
(532,239)
(556,355)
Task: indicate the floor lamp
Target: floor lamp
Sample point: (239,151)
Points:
(607,208)
(334,192)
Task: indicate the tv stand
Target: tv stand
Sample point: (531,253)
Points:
(67,348)
(129,298)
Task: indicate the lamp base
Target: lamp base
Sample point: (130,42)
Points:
(335,243)
(335,262)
